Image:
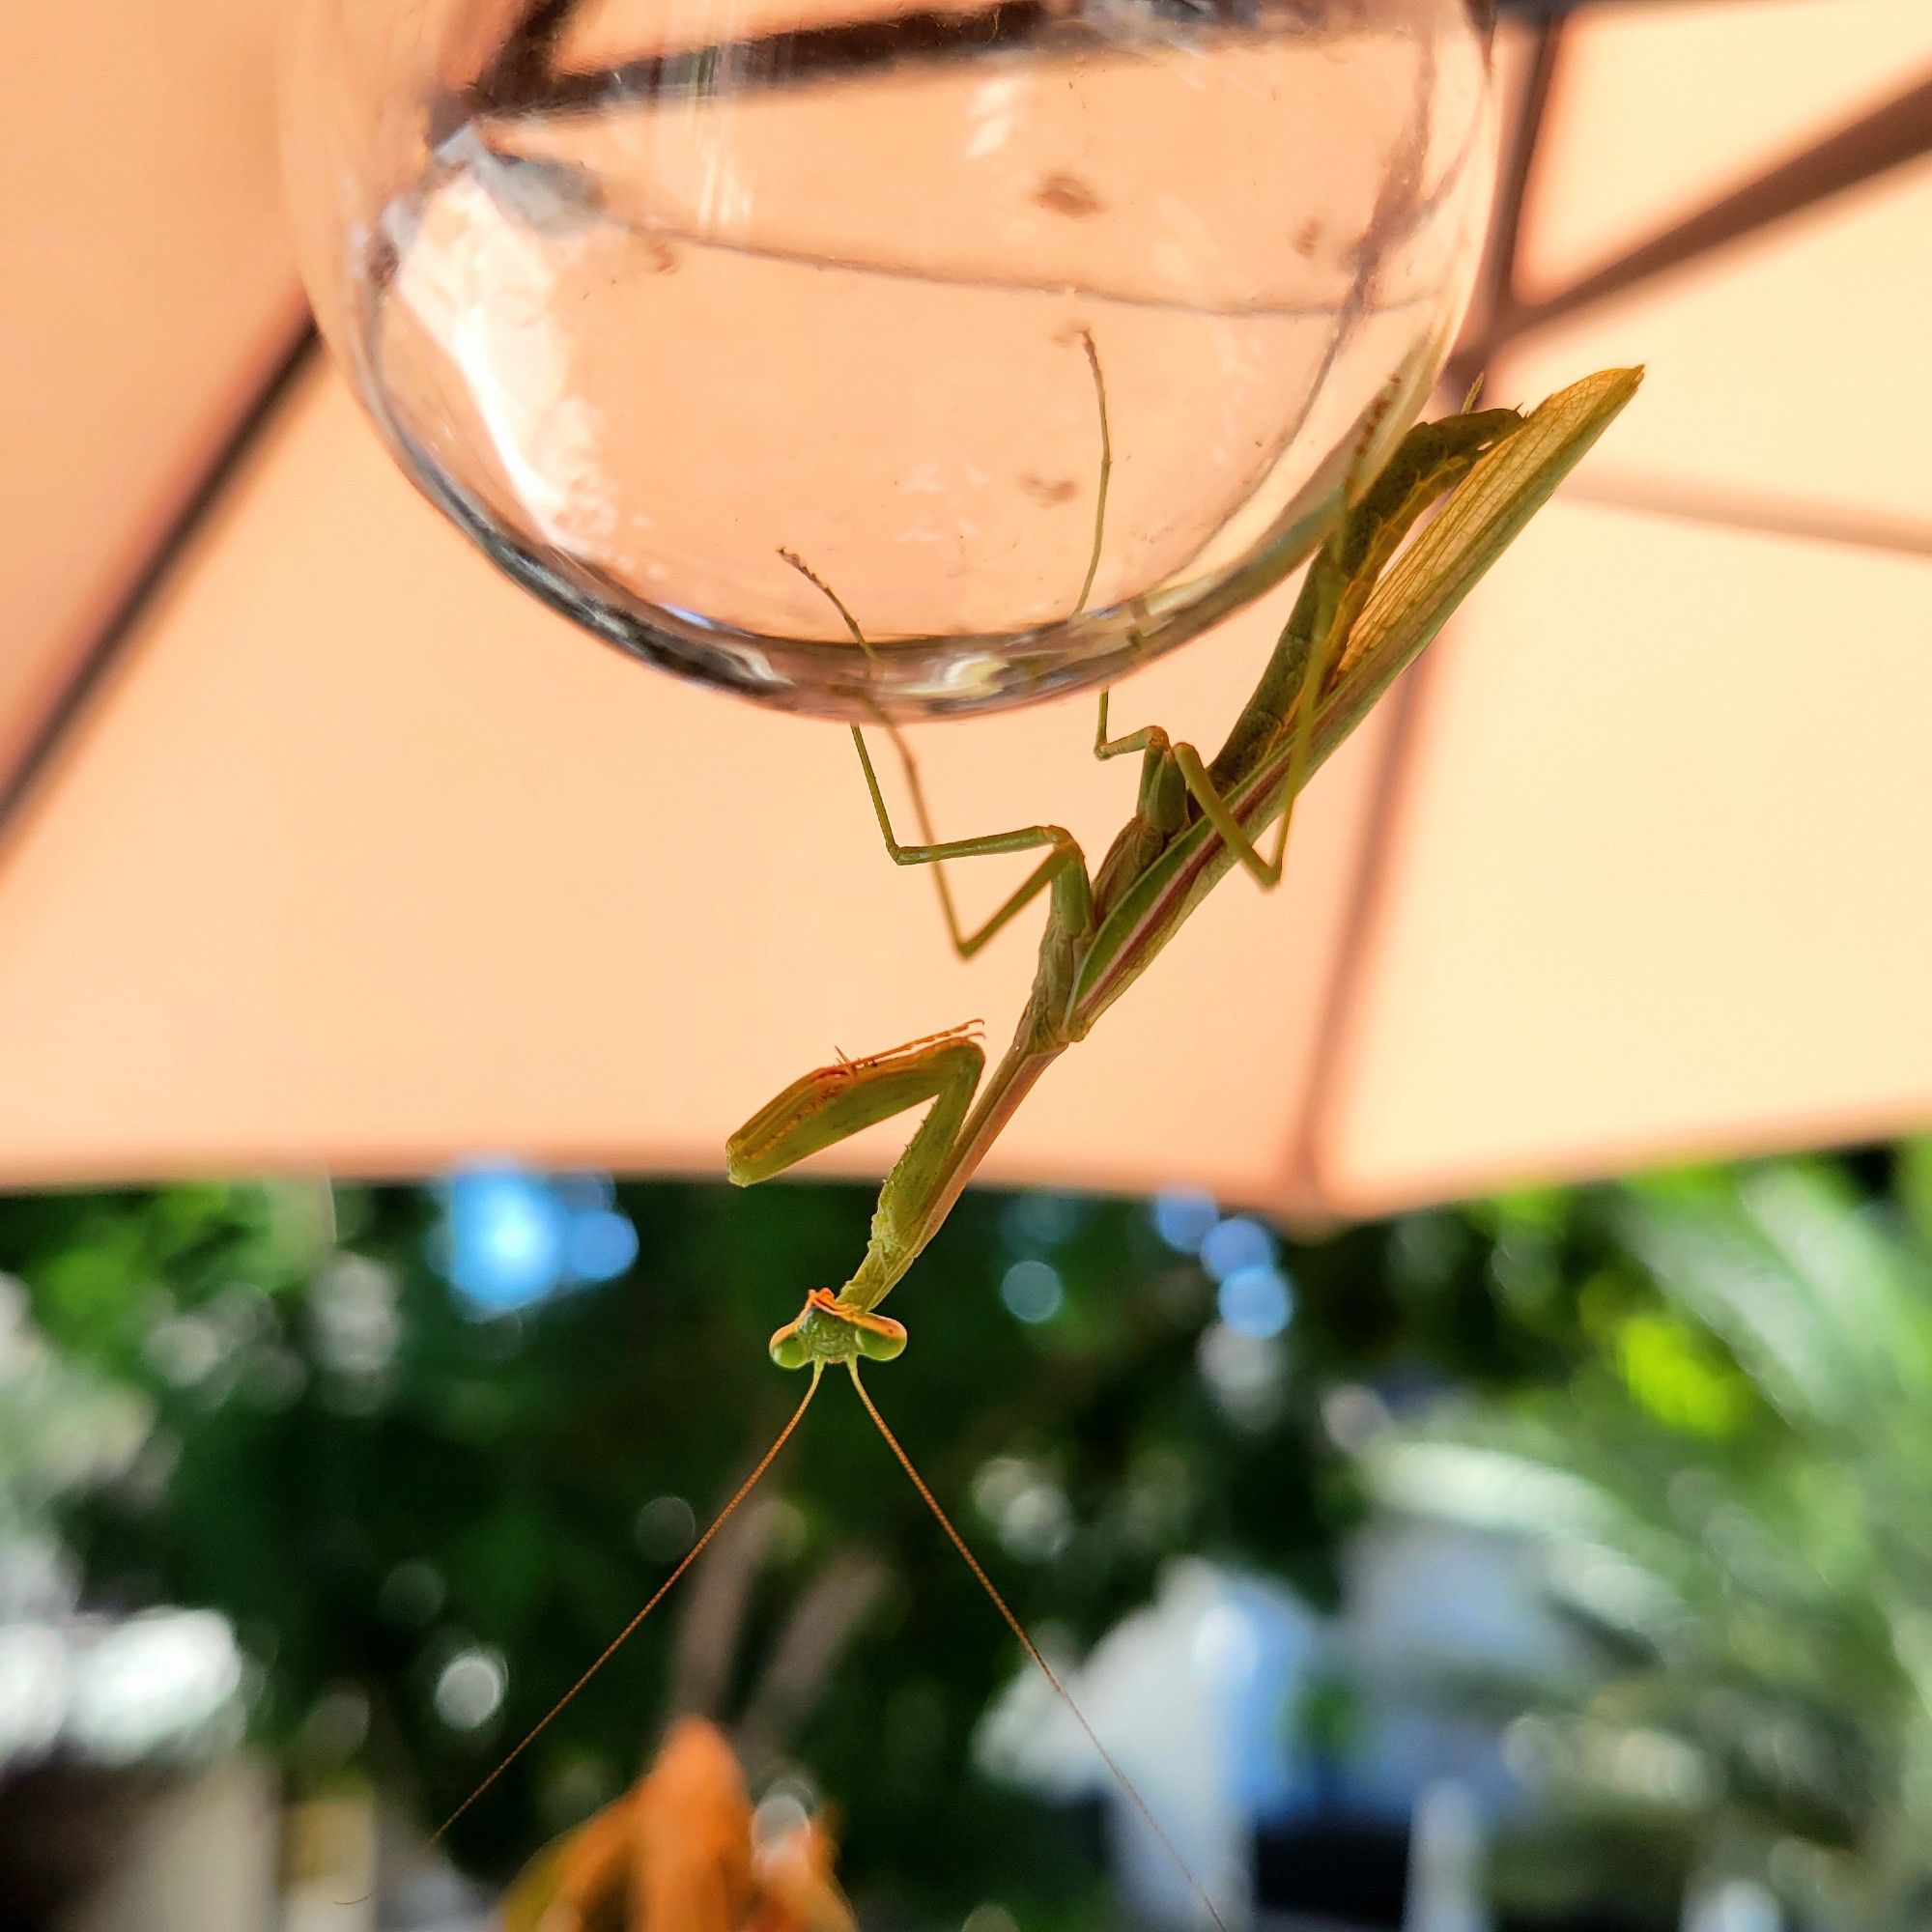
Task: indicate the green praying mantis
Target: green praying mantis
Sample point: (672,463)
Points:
(1381,583)
(1367,608)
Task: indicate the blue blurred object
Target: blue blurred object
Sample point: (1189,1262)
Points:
(511,1237)
(1234,1244)
(1256,1300)
(603,1245)
(1184,1217)
(1032,1292)
(1035,1222)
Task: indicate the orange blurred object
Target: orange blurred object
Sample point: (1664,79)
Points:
(677,1854)
(352,855)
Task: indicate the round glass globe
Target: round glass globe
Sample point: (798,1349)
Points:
(647,294)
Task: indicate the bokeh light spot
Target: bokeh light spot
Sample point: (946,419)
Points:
(1237,1244)
(470,1689)
(1032,1292)
(1184,1217)
(1256,1301)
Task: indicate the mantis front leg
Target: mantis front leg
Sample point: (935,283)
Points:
(831,1105)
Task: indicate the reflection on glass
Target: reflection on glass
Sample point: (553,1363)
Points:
(644,291)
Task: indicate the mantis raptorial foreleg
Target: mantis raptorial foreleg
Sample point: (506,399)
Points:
(833,1103)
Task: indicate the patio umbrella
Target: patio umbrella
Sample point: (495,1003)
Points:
(322,846)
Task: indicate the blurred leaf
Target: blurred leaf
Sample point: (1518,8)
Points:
(1737,1518)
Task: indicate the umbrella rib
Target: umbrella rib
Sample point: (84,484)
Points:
(1897,131)
(530,90)
(1732,508)
(522,78)
(523,82)
(522,64)
(1497,276)
(18,786)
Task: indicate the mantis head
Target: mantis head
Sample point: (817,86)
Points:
(829,1331)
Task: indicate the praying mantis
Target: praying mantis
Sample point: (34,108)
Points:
(1381,583)
(1363,613)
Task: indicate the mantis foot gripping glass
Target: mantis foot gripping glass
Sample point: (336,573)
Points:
(643,292)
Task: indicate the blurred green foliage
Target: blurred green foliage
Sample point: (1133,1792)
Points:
(1729,1495)
(1705,1399)
(373,1482)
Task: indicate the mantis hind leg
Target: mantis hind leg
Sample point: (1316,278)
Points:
(1106,473)
(1206,795)
(1148,738)
(1201,788)
(1162,804)
(1168,767)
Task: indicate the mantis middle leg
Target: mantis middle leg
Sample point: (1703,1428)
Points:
(1064,868)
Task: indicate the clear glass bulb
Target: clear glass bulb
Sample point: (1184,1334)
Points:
(647,293)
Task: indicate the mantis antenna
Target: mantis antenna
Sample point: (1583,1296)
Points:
(1106,472)
(662,1590)
(1032,1650)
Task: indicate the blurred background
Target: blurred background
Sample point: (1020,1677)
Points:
(1558,1561)
(1446,1372)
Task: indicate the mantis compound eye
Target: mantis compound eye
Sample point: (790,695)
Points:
(788,1349)
(881,1339)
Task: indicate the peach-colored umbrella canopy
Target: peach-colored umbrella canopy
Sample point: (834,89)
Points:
(327,847)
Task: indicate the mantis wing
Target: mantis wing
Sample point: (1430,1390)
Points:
(1482,518)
